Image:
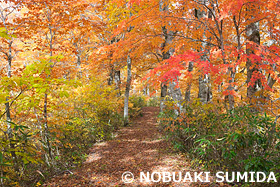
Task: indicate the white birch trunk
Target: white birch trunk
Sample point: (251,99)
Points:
(127,89)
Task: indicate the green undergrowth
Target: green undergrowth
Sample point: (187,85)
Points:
(95,115)
(218,140)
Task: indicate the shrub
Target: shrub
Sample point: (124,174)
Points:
(136,103)
(14,161)
(77,119)
(153,101)
(237,140)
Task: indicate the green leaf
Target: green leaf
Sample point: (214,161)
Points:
(4,34)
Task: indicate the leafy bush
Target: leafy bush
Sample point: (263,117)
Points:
(136,103)
(237,140)
(22,155)
(153,101)
(82,116)
(95,115)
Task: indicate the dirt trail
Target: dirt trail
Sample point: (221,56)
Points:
(139,147)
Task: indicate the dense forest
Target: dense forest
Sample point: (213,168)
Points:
(74,73)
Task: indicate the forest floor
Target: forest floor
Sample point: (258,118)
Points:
(137,148)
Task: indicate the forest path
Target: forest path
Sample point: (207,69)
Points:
(139,147)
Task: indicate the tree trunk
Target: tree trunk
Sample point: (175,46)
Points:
(176,95)
(111,77)
(79,61)
(8,109)
(204,92)
(46,128)
(127,89)
(253,35)
(188,89)
(118,81)
(188,93)
(146,90)
(163,94)
(174,89)
(45,111)
(115,76)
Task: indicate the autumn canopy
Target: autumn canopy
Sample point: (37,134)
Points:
(74,71)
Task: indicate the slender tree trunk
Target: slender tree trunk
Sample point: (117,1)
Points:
(46,128)
(118,81)
(176,95)
(111,76)
(45,112)
(146,90)
(115,76)
(204,91)
(79,61)
(127,89)
(188,93)
(8,109)
(238,37)
(168,37)
(163,94)
(189,86)
(165,55)
(174,89)
(253,35)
